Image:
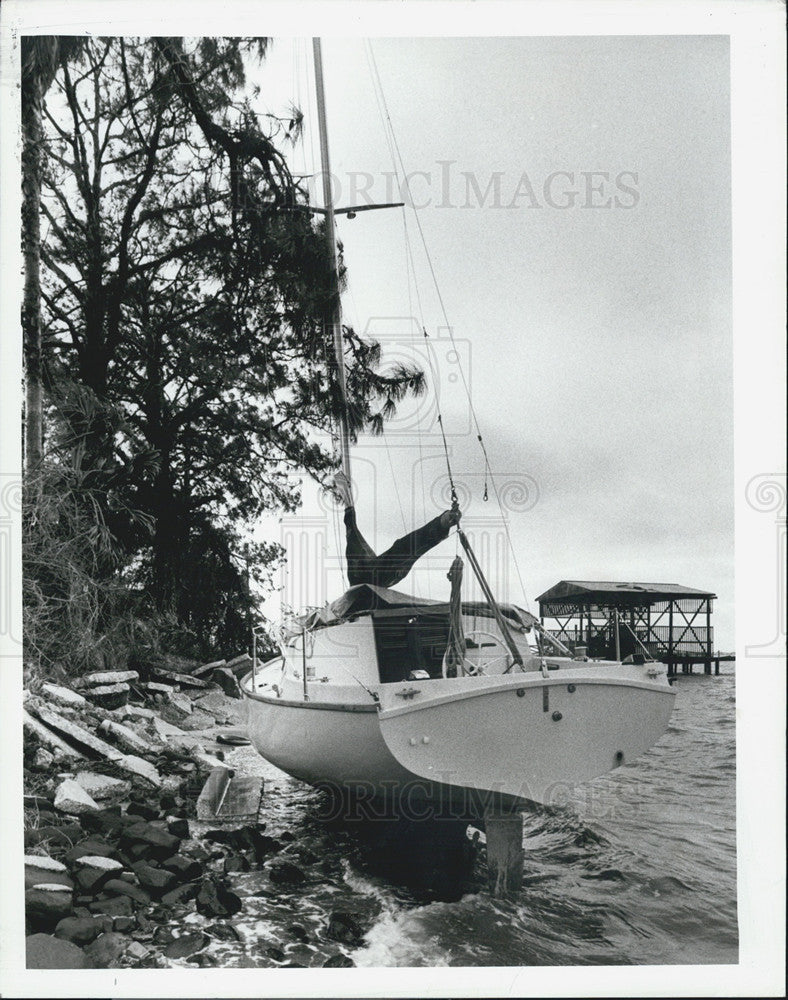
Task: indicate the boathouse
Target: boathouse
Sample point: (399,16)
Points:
(664,621)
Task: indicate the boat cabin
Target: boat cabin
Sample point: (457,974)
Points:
(407,640)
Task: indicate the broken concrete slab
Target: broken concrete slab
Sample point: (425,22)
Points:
(186,680)
(138,712)
(142,768)
(125,737)
(101,786)
(105,677)
(64,727)
(174,736)
(206,668)
(181,703)
(44,735)
(217,704)
(63,695)
(198,721)
(72,798)
(109,696)
(239,662)
(206,760)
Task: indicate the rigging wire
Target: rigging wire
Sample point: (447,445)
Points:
(400,166)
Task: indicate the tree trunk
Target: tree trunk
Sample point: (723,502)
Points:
(31,301)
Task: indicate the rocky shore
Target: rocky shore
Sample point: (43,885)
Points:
(119,870)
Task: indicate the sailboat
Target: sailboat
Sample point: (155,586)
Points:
(463,705)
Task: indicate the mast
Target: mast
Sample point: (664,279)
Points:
(335,318)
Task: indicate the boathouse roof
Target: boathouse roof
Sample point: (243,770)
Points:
(607,591)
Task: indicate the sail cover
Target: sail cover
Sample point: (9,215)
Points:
(365,598)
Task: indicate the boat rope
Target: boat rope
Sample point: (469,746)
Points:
(399,166)
(502,625)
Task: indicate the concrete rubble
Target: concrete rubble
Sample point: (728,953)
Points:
(109,834)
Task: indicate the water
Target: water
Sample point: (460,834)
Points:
(639,868)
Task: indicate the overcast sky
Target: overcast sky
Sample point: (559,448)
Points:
(575,197)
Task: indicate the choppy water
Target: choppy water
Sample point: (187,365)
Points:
(639,868)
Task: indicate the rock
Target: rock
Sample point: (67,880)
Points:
(206,668)
(79,930)
(345,928)
(203,960)
(179,895)
(156,880)
(275,953)
(197,721)
(107,950)
(63,696)
(123,925)
(39,868)
(146,833)
(120,887)
(339,962)
(298,931)
(91,873)
(43,759)
(137,951)
(46,905)
(73,799)
(228,682)
(105,677)
(195,850)
(143,810)
(43,951)
(223,932)
(101,786)
(89,847)
(213,900)
(74,732)
(107,822)
(109,696)
(125,737)
(178,828)
(236,863)
(163,935)
(44,735)
(118,906)
(187,944)
(141,768)
(286,873)
(186,869)
(58,836)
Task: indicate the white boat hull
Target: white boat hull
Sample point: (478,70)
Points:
(470,742)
